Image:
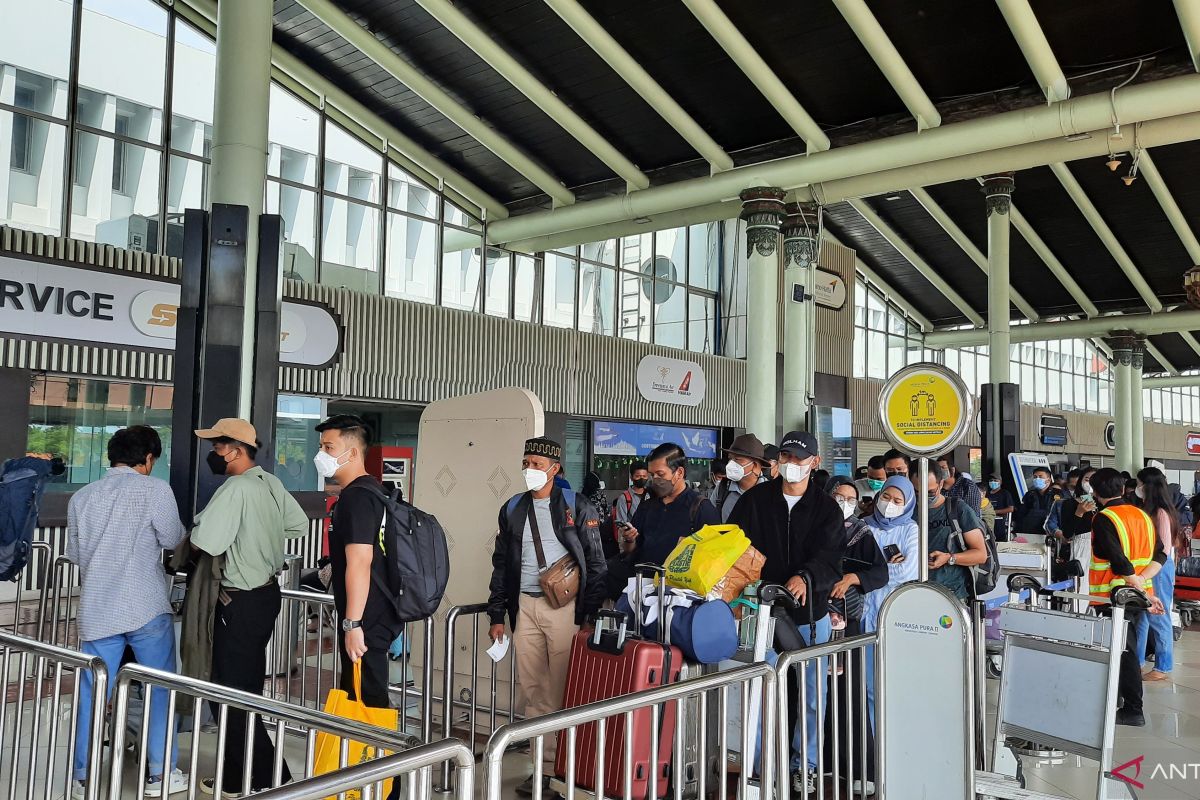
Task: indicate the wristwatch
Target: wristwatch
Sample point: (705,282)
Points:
(951,562)
(351,624)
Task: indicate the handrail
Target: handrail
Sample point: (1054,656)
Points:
(372,772)
(72,657)
(823,650)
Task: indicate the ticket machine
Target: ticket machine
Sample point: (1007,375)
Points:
(393,467)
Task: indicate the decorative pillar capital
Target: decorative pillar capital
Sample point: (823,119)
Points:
(801,234)
(1128,348)
(998,189)
(762,211)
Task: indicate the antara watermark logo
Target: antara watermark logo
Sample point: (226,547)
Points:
(1131,771)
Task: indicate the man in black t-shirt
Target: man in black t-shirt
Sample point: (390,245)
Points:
(369,622)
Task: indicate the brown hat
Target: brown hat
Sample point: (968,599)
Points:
(747,445)
(231,428)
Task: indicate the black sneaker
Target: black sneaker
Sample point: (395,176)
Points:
(525,789)
(1134,719)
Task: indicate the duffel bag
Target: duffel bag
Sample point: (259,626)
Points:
(705,631)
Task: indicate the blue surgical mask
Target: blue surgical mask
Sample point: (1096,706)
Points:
(993,485)
(1039,483)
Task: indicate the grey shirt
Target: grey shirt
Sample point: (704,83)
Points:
(117,528)
(552,548)
(622,511)
(731,499)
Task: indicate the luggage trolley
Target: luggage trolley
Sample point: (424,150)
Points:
(1053,660)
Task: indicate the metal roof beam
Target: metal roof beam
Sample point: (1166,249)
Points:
(1172,382)
(967,246)
(880,283)
(358,36)
(889,61)
(1106,235)
(1160,358)
(762,76)
(499,59)
(625,65)
(1145,324)
(1036,49)
(920,264)
(1189,20)
(1052,263)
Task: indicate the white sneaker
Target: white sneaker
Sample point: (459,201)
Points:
(178,783)
(858,788)
(76,790)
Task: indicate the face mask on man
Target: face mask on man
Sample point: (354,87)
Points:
(875,484)
(848,507)
(661,487)
(216,462)
(993,485)
(1039,484)
(639,483)
(327,465)
(535,479)
(792,472)
(734,471)
(890,510)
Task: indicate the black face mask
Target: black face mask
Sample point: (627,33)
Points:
(216,462)
(661,487)
(640,483)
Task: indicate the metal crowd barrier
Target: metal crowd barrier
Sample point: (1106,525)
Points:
(39,717)
(33,577)
(295,730)
(59,611)
(689,702)
(413,766)
(845,755)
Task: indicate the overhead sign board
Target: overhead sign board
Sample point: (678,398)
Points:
(1193,443)
(670,380)
(47,300)
(829,290)
(925,409)
(1054,431)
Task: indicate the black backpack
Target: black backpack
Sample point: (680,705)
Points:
(22,481)
(982,578)
(418,558)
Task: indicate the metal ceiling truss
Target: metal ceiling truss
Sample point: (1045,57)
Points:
(1189,20)
(1036,49)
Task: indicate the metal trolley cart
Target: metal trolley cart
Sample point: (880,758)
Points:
(1053,660)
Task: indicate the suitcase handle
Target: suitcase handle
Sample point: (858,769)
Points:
(652,571)
(599,631)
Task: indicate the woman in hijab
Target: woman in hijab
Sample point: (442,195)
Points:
(896,534)
(864,571)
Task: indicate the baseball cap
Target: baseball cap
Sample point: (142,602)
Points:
(799,444)
(231,428)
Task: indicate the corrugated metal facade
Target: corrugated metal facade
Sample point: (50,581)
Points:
(835,329)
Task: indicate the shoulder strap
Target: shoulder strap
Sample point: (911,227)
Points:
(694,511)
(537,539)
(952,514)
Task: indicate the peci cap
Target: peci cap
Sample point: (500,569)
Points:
(799,444)
(542,446)
(231,428)
(749,446)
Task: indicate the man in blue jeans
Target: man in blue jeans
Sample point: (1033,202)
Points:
(799,528)
(117,529)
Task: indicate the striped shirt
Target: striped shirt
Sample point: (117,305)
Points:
(117,528)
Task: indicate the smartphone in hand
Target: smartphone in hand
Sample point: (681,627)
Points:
(891,551)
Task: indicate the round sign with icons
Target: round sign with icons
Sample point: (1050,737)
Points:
(925,409)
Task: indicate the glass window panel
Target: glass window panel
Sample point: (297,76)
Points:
(704,255)
(187,182)
(293,134)
(672,243)
(35,39)
(633,306)
(604,252)
(1066,384)
(192,87)
(897,357)
(411,271)
(558,296)
(455,215)
(860,353)
(497,282)
(670,315)
(895,321)
(352,167)
(114,199)
(526,295)
(122,67)
(597,293)
(31,197)
(635,251)
(953,360)
(350,245)
(406,193)
(460,270)
(1039,386)
(1026,373)
(876,355)
(860,293)
(876,313)
(702,315)
(298,208)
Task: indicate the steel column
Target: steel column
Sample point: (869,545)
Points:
(998,191)
(1122,366)
(1144,324)
(801,245)
(1137,423)
(762,211)
(239,143)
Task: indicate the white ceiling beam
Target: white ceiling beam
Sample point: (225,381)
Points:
(290,70)
(1052,263)
(625,65)
(395,65)
(1173,382)
(889,61)
(1036,49)
(920,264)
(1146,324)
(1092,215)
(501,60)
(762,76)
(1160,358)
(967,246)
(880,283)
(1189,20)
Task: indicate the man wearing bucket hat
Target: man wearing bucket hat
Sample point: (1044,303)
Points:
(747,462)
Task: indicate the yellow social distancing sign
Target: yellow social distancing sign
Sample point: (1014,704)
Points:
(925,409)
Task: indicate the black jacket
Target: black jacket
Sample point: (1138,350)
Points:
(1035,507)
(812,539)
(578,529)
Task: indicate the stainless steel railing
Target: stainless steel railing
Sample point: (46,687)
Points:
(223,701)
(414,766)
(33,577)
(694,738)
(842,673)
(35,700)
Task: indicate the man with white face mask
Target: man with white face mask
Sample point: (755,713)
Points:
(744,471)
(537,529)
(800,530)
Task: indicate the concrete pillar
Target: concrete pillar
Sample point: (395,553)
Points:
(239,140)
(762,211)
(801,247)
(1137,420)
(998,191)
(1122,366)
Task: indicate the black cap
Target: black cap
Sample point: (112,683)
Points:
(799,444)
(771,453)
(543,446)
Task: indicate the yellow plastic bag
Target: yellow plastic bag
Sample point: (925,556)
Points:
(701,560)
(328,754)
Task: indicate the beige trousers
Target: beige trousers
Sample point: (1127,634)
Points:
(542,640)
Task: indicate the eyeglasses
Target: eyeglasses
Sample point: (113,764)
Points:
(895,472)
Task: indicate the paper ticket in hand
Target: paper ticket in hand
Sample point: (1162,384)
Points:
(499,649)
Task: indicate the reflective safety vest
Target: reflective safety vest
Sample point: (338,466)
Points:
(1135,529)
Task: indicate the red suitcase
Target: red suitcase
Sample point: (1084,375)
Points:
(606,665)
